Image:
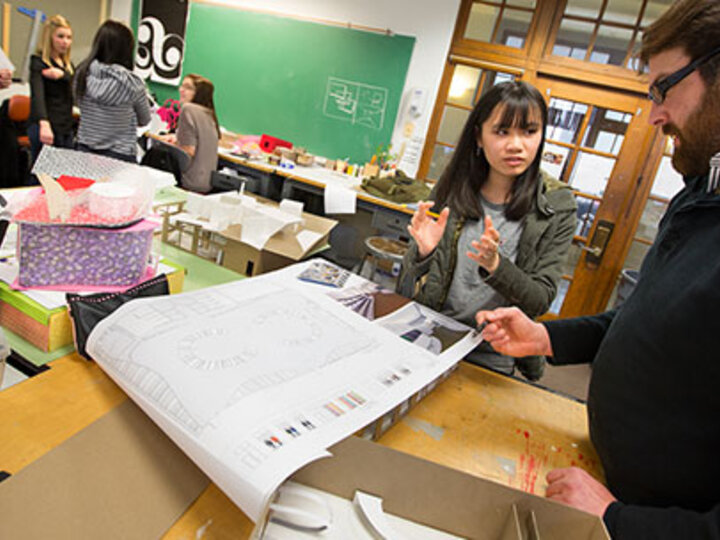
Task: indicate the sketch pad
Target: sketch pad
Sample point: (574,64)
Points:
(120,477)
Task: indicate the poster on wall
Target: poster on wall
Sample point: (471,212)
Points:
(161,40)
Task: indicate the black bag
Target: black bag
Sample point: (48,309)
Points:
(86,311)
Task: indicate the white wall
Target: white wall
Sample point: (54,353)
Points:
(120,10)
(431,22)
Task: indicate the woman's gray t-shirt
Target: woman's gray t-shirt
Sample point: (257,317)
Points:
(468,291)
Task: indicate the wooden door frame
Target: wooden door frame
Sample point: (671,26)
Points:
(631,184)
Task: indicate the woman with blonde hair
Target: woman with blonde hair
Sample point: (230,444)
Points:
(51,73)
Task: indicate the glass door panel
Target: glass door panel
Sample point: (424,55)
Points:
(587,139)
(505,22)
(666,184)
(591,173)
(467,85)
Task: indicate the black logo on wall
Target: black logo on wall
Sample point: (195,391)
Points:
(161,40)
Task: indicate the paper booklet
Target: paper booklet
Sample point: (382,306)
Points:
(256,378)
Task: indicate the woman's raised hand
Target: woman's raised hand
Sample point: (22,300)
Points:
(487,248)
(427,231)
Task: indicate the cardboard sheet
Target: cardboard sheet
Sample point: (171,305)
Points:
(120,477)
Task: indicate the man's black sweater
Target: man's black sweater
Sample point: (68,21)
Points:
(654,400)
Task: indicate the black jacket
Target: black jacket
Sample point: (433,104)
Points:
(654,400)
(52,99)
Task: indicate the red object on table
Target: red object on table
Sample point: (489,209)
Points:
(268,143)
(73,182)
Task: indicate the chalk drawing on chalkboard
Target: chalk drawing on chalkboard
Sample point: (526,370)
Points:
(356,102)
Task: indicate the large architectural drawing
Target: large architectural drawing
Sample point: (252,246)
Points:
(256,378)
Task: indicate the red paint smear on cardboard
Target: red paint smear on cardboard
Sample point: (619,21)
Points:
(530,467)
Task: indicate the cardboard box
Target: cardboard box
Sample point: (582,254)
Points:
(50,255)
(281,250)
(121,477)
(443,498)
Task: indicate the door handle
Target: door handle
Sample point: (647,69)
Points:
(596,251)
(596,248)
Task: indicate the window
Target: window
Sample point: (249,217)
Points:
(505,22)
(605,31)
(467,85)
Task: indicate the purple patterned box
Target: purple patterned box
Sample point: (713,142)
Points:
(67,255)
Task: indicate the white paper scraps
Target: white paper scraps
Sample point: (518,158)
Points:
(294,208)
(307,238)
(5,62)
(257,230)
(340,200)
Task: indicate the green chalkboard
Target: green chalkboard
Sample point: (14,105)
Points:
(333,90)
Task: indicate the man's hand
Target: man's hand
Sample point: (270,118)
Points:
(576,488)
(511,332)
(487,247)
(427,231)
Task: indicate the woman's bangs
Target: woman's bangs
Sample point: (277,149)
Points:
(520,113)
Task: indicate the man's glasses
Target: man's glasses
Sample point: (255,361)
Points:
(658,89)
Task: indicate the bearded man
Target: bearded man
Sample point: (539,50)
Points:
(654,400)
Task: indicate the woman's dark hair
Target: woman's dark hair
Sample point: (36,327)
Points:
(468,170)
(204,91)
(114,43)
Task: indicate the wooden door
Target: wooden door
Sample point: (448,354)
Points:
(599,142)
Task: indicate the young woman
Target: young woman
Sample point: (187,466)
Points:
(51,73)
(505,226)
(198,132)
(113,100)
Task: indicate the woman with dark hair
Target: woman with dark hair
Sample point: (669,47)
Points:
(113,100)
(505,226)
(198,132)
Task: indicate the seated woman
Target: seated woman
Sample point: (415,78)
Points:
(51,97)
(505,226)
(113,100)
(198,132)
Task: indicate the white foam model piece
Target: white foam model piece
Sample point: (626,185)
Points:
(223,214)
(371,511)
(114,200)
(259,221)
(347,519)
(294,208)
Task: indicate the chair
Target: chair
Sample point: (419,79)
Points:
(19,112)
(382,248)
(167,157)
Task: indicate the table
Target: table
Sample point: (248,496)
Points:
(477,421)
(279,182)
